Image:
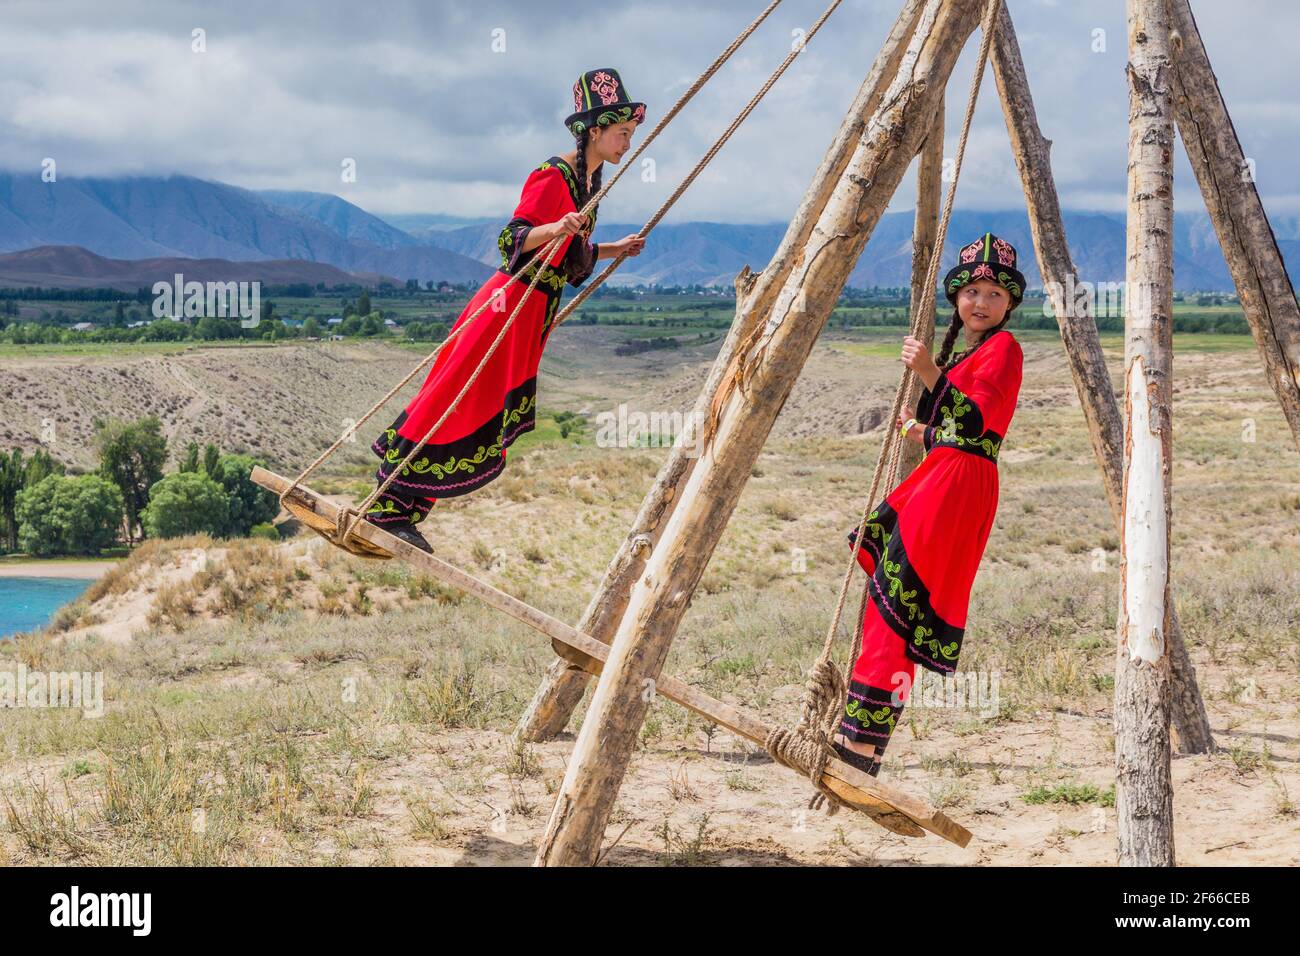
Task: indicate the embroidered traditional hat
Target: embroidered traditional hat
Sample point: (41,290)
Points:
(988,257)
(599,99)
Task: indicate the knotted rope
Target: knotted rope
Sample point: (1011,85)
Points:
(807,747)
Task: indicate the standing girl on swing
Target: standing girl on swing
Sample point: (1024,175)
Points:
(469,448)
(924,542)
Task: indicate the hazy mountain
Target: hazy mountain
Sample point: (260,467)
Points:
(711,253)
(146,217)
(72,267)
(180,216)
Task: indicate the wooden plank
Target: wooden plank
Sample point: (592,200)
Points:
(886,804)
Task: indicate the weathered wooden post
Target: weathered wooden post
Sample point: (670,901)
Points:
(1082,344)
(563,685)
(576,827)
(1144,795)
(1227,180)
(925,230)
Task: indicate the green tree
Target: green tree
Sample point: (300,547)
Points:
(131,455)
(15,475)
(12,479)
(39,466)
(186,503)
(69,515)
(250,504)
(191,459)
(212,462)
(311,328)
(363,304)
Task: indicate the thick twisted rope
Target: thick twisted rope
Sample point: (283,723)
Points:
(807,746)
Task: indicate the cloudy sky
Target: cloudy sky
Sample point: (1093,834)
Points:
(445,106)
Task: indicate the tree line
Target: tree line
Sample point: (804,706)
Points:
(44,510)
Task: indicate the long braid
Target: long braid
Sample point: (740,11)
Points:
(946,359)
(945,350)
(580,167)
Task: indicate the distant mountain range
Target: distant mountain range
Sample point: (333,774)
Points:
(72,267)
(152,217)
(180,217)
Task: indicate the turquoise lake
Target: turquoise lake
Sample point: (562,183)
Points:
(29,603)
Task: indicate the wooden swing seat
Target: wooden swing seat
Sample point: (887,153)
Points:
(884,803)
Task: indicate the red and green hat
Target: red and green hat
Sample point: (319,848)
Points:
(988,257)
(600,99)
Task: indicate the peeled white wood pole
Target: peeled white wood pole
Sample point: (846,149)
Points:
(1144,795)
(604,746)
(1073,311)
(563,685)
(1227,180)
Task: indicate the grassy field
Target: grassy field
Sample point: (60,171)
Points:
(290,704)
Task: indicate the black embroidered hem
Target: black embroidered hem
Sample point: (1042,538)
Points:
(461,466)
(903,599)
(390,509)
(870,715)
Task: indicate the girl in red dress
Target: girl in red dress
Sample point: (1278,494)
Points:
(469,449)
(924,542)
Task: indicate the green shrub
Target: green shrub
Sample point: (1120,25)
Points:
(68,515)
(186,503)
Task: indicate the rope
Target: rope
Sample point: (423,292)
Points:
(807,746)
(350,516)
(699,167)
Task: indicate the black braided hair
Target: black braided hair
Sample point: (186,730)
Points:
(580,167)
(946,359)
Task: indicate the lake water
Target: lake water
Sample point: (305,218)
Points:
(29,603)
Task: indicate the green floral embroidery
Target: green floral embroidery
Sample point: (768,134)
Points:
(550,278)
(1010,284)
(948,651)
(858,710)
(951,429)
(423,466)
(896,589)
(387,507)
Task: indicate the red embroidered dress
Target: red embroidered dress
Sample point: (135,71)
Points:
(924,542)
(468,450)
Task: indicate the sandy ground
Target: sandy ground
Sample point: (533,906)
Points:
(711,799)
(88,570)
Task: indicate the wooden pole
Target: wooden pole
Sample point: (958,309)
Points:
(660,597)
(563,685)
(887,805)
(1227,181)
(925,230)
(1082,344)
(1144,796)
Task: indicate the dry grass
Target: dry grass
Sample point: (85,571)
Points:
(296,705)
